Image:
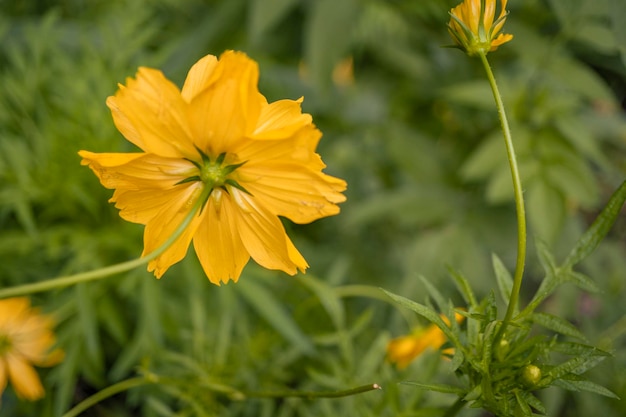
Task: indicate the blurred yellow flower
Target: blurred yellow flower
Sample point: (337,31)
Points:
(26,338)
(403,350)
(219,138)
(473,28)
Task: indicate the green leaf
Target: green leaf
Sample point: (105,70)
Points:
(328,35)
(533,401)
(485,159)
(575,366)
(524,407)
(271,309)
(434,293)
(617,15)
(546,209)
(598,230)
(557,324)
(588,386)
(264,15)
(580,135)
(428,313)
(328,297)
(503,278)
(475,93)
(487,346)
(578,349)
(581,281)
(447,389)
(464,287)
(457,360)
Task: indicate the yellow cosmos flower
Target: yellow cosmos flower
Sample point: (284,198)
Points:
(25,340)
(473,28)
(403,350)
(218,139)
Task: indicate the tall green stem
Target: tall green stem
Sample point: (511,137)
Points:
(234,393)
(106,393)
(312,394)
(519,198)
(64,281)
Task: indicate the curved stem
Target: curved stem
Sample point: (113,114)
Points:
(106,393)
(455,408)
(235,394)
(312,394)
(64,281)
(519,199)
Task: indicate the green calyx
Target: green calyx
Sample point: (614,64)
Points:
(214,173)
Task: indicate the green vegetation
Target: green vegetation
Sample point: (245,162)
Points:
(413,129)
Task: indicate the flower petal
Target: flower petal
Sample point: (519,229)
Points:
(302,196)
(150,112)
(164,224)
(24,378)
(285,176)
(4,376)
(280,120)
(218,246)
(264,236)
(225,105)
(13,310)
(138,171)
(201,75)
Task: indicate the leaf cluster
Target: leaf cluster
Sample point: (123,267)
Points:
(500,364)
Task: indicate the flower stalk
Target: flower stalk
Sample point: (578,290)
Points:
(236,394)
(519,197)
(107,271)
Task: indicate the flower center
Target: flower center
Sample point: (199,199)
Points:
(5,344)
(215,173)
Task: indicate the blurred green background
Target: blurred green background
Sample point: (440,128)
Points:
(410,125)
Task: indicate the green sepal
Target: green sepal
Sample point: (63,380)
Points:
(189,179)
(230,168)
(235,184)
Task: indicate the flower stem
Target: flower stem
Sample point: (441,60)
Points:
(519,198)
(67,280)
(455,408)
(106,393)
(235,394)
(312,394)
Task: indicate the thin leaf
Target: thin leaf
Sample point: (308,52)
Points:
(578,349)
(264,302)
(533,401)
(457,360)
(575,366)
(503,278)
(582,281)
(464,287)
(588,386)
(598,230)
(328,297)
(434,293)
(265,14)
(545,257)
(558,325)
(447,389)
(524,407)
(428,313)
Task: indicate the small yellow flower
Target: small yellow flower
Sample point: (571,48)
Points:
(473,28)
(25,340)
(403,350)
(218,136)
